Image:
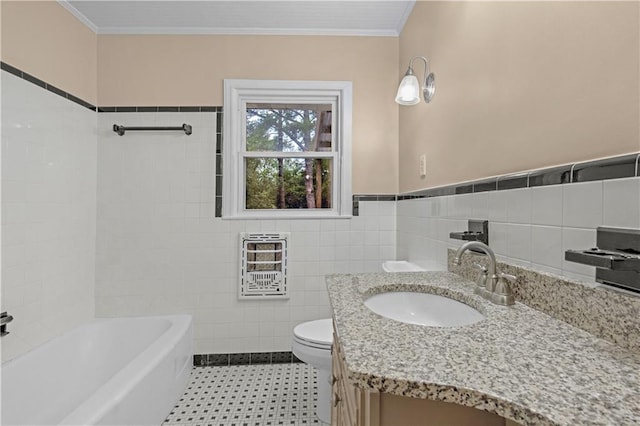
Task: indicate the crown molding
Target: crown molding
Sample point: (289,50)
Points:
(75,12)
(245,31)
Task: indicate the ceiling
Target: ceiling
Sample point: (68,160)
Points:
(288,17)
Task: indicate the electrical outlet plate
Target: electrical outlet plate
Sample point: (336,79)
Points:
(423,165)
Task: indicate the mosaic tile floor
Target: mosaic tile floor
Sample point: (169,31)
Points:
(248,395)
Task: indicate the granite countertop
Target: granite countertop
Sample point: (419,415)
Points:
(519,363)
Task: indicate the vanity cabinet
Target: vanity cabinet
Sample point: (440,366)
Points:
(345,399)
(352,406)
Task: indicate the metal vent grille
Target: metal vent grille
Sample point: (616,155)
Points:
(263,269)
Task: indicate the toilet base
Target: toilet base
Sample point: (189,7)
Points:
(312,345)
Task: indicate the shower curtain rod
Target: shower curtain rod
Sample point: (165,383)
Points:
(122,129)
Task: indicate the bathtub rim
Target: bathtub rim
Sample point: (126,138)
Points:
(117,387)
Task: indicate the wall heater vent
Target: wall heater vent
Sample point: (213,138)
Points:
(263,268)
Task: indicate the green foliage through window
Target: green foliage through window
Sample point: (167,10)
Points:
(285,169)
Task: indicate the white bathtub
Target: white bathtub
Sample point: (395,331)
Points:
(120,371)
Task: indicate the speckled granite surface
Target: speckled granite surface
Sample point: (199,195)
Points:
(601,311)
(518,363)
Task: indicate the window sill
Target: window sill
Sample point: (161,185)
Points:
(286,217)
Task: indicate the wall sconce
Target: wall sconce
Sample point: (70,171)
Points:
(409,89)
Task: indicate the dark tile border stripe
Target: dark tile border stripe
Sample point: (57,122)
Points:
(205,108)
(253,358)
(512,182)
(464,189)
(369,197)
(624,166)
(51,88)
(374,197)
(609,168)
(219,164)
(485,185)
(552,176)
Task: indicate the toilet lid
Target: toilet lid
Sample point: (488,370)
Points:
(318,331)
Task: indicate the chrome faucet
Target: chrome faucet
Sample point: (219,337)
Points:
(496,290)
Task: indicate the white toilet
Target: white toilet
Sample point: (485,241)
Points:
(312,344)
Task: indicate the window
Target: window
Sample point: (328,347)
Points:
(287,149)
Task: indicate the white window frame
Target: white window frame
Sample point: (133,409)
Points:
(237,93)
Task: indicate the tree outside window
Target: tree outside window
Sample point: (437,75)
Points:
(288,183)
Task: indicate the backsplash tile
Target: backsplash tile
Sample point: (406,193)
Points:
(480,205)
(621,203)
(519,242)
(498,206)
(546,246)
(518,205)
(582,204)
(498,237)
(527,226)
(546,205)
(600,311)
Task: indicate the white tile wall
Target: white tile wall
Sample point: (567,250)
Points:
(518,205)
(582,204)
(519,243)
(531,227)
(546,205)
(161,250)
(622,192)
(546,246)
(48,214)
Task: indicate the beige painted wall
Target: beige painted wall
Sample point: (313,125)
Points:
(45,40)
(520,85)
(189,70)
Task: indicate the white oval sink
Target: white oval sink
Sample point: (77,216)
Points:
(423,309)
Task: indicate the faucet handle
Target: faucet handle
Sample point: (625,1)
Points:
(508,277)
(502,294)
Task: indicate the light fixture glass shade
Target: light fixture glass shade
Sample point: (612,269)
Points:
(408,91)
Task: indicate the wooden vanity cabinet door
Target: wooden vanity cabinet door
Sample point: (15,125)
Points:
(345,408)
(334,383)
